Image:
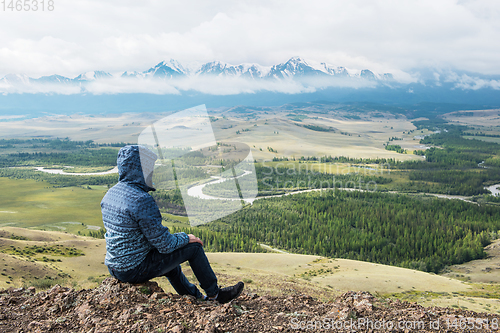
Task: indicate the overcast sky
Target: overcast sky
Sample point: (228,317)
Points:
(382,35)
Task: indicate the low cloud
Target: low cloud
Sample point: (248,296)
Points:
(234,85)
(212,85)
(122,85)
(19,88)
(474,83)
(467,82)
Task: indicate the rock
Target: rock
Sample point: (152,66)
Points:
(122,307)
(53,309)
(363,306)
(83,311)
(34,324)
(346,313)
(125,315)
(158,295)
(56,289)
(178,329)
(15,291)
(211,329)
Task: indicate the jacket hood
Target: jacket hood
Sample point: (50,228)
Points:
(131,162)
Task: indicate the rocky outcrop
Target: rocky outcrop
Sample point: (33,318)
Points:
(123,307)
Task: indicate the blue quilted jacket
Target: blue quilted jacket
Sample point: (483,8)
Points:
(132,218)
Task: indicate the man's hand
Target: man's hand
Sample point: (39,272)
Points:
(194,239)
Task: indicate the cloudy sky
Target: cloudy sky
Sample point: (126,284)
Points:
(382,35)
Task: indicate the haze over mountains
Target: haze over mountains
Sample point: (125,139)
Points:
(294,68)
(171,85)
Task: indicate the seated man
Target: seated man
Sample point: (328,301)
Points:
(139,247)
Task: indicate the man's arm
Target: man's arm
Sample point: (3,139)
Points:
(149,218)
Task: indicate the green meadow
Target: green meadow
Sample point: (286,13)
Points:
(31,204)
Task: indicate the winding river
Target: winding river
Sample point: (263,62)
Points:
(494,189)
(61,172)
(197,191)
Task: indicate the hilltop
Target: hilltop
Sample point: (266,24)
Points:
(272,274)
(114,306)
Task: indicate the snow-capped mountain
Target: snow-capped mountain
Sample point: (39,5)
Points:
(336,71)
(367,74)
(253,70)
(295,67)
(132,74)
(163,78)
(91,76)
(173,69)
(218,68)
(16,79)
(53,79)
(167,70)
(163,70)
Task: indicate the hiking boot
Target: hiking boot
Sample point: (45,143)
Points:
(229,293)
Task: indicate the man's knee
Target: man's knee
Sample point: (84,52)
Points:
(195,244)
(197,247)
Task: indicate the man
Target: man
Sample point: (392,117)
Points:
(139,247)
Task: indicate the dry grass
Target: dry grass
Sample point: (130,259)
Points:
(481,271)
(79,267)
(364,139)
(480,118)
(110,128)
(263,273)
(345,274)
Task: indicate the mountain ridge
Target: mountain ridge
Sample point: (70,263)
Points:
(294,67)
(222,84)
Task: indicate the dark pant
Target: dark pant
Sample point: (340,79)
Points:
(168,265)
